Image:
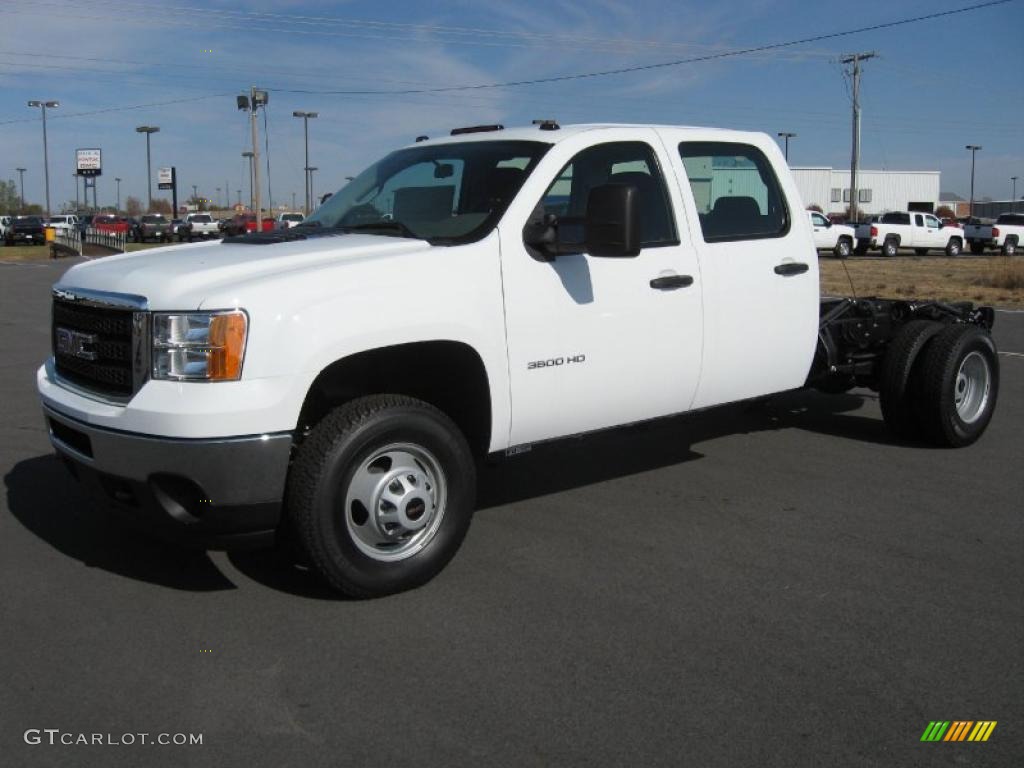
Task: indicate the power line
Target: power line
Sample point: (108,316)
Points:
(664,64)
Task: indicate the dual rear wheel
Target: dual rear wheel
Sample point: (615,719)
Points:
(939,383)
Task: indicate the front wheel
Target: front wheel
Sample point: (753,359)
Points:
(953,247)
(890,248)
(843,248)
(381,494)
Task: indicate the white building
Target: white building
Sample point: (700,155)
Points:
(878,191)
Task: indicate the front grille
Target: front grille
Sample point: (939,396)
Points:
(103,363)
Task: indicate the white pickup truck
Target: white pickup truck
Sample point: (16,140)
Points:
(466,297)
(198,226)
(1005,235)
(838,238)
(908,229)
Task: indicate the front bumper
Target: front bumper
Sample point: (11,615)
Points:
(217,493)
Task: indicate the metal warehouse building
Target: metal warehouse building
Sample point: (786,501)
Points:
(878,191)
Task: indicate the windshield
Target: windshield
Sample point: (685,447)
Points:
(292,217)
(447,193)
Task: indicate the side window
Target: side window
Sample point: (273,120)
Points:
(919,219)
(736,192)
(626,162)
(932,222)
(819,220)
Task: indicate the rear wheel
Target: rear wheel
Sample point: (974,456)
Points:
(899,377)
(890,247)
(381,494)
(977,248)
(1010,247)
(843,248)
(959,385)
(953,246)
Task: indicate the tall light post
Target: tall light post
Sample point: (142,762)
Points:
(118,180)
(787,136)
(218,197)
(312,199)
(148,130)
(21,180)
(44,105)
(250,155)
(309,180)
(973,148)
(1013,195)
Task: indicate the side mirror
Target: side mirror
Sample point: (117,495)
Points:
(612,222)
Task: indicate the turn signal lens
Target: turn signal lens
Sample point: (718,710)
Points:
(199,346)
(227,346)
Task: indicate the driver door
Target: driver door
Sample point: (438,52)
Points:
(593,341)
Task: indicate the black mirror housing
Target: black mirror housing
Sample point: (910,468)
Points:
(612,222)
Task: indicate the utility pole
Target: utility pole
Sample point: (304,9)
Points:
(251,198)
(855,59)
(251,103)
(1013,195)
(118,180)
(75,177)
(218,197)
(21,180)
(973,149)
(309,185)
(787,136)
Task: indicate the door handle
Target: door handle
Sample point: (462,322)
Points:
(669,282)
(791,268)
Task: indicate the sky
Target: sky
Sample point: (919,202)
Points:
(934,87)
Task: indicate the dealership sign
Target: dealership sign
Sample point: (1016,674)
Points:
(88,162)
(165,178)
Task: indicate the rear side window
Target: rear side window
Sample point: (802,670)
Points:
(736,191)
(896,218)
(1011,218)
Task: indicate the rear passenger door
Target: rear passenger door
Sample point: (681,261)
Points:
(758,264)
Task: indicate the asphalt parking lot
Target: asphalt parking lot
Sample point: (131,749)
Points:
(780,585)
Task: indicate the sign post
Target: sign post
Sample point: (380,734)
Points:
(167,178)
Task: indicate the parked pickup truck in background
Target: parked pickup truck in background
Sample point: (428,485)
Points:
(25,229)
(152,226)
(198,226)
(1005,235)
(467,297)
(64,222)
(901,229)
(837,238)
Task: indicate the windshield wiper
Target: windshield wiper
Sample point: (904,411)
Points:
(388,225)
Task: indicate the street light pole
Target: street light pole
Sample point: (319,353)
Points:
(118,180)
(973,148)
(1013,195)
(46,152)
(309,183)
(787,136)
(148,129)
(312,197)
(21,179)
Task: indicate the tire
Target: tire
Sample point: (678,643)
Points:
(953,247)
(891,247)
(1010,247)
(355,551)
(899,377)
(843,248)
(861,250)
(959,386)
(977,248)
(921,251)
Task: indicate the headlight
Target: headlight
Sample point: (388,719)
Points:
(199,346)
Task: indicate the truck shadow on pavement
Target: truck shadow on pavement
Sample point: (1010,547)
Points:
(43,497)
(46,500)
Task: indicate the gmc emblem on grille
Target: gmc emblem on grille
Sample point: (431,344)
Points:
(76,344)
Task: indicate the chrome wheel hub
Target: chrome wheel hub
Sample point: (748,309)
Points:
(395,501)
(971,390)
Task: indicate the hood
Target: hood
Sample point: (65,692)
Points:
(181,276)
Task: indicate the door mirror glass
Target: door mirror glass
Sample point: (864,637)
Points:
(612,222)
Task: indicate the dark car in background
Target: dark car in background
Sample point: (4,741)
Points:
(152,226)
(25,229)
(85,221)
